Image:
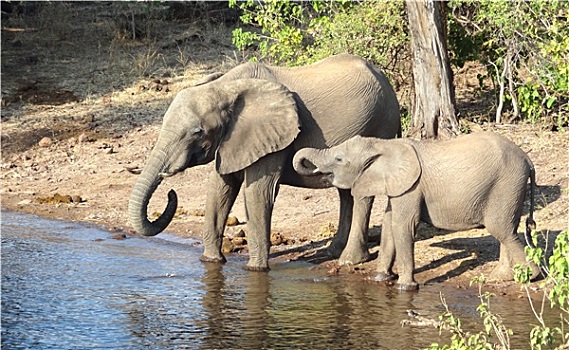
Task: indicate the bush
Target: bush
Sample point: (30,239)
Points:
(555,288)
(298,33)
(527,58)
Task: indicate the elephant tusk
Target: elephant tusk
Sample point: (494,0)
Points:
(316,171)
(163,175)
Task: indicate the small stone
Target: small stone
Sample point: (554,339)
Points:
(276,238)
(197,212)
(333,271)
(76,199)
(232,221)
(45,142)
(83,138)
(119,236)
(239,241)
(227,246)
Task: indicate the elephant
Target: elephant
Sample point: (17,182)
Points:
(473,181)
(252,120)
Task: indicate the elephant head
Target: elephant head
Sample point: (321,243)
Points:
(367,166)
(236,122)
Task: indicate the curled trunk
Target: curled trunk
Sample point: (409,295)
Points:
(140,196)
(302,164)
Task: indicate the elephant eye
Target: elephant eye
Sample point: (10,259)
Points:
(339,159)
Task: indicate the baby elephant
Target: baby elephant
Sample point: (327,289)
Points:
(477,180)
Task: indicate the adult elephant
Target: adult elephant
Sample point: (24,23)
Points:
(252,120)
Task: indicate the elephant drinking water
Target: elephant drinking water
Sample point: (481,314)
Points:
(252,120)
(477,180)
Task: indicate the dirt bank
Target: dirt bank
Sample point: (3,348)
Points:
(81,105)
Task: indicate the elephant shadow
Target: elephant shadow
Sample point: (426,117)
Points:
(312,251)
(476,251)
(315,252)
(481,251)
(544,195)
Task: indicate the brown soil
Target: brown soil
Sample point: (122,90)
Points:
(82,103)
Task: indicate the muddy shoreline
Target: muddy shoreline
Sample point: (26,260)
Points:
(81,105)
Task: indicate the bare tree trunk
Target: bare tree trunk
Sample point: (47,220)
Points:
(433,112)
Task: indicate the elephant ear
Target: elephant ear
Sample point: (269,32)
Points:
(392,170)
(264,120)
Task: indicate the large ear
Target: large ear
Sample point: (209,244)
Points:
(392,170)
(264,120)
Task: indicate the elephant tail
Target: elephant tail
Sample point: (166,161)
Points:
(530,223)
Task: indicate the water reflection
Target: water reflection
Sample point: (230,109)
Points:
(61,290)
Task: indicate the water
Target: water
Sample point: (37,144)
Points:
(67,286)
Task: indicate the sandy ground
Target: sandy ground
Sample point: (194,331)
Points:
(81,104)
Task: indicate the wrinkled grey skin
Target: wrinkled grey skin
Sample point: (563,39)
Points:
(477,180)
(251,120)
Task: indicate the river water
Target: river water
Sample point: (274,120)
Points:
(68,286)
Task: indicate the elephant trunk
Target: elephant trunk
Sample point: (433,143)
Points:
(141,193)
(302,161)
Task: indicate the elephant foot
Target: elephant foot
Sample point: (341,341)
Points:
(407,287)
(354,258)
(504,272)
(257,268)
(385,277)
(218,260)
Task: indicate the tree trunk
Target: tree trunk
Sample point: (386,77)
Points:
(433,111)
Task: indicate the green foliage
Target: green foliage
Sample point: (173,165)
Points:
(556,290)
(525,47)
(555,286)
(526,58)
(493,327)
(297,33)
(556,268)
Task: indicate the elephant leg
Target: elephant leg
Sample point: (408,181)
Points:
(340,239)
(386,257)
(261,188)
(406,211)
(356,248)
(511,253)
(223,190)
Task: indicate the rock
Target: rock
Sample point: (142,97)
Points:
(328,230)
(278,239)
(239,241)
(333,271)
(84,138)
(45,142)
(197,212)
(232,221)
(76,199)
(227,246)
(119,236)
